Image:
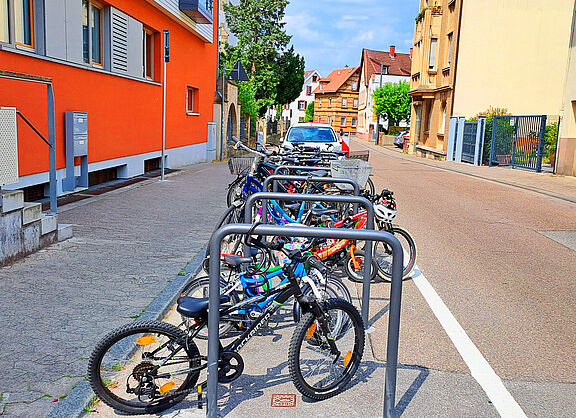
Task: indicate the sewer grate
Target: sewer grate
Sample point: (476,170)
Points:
(281,400)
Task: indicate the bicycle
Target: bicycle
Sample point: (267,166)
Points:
(149,366)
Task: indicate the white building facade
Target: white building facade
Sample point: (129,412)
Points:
(294,112)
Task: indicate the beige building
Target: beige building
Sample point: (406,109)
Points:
(470,55)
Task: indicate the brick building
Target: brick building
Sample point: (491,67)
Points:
(336,100)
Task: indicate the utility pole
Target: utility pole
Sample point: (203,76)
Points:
(165,60)
(222,111)
(378,115)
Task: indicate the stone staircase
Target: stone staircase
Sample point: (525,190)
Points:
(24,229)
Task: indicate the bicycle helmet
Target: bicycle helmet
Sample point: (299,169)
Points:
(384,213)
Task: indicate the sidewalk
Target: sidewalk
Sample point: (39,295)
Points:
(128,245)
(562,187)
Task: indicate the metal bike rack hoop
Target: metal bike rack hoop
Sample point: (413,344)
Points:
(264,196)
(296,167)
(334,233)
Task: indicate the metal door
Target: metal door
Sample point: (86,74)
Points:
(469,142)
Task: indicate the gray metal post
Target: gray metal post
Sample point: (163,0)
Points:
(479,140)
(460,139)
(222,112)
(52,150)
(162,158)
(264,196)
(333,233)
(451,138)
(492,145)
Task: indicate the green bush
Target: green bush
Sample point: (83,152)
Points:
(550,136)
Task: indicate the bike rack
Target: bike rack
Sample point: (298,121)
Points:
(276,177)
(323,198)
(312,232)
(297,167)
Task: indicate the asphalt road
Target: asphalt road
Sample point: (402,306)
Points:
(482,246)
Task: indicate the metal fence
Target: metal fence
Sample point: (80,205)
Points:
(518,141)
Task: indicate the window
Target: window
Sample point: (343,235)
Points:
(314,78)
(355,103)
(344,101)
(354,120)
(353,85)
(330,102)
(320,86)
(342,121)
(443,119)
(92,32)
(449,49)
(308,90)
(301,105)
(148,53)
(432,59)
(21,21)
(319,119)
(192,101)
(4,28)
(330,119)
(319,102)
(384,69)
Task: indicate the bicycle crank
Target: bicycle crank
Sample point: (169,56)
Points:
(230,366)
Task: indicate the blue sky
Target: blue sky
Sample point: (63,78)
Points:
(331,33)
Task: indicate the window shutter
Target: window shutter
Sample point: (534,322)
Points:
(126,44)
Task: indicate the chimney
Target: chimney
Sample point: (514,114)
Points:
(411,52)
(392,51)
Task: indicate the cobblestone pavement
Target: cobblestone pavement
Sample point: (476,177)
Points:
(127,246)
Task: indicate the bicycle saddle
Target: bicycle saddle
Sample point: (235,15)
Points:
(319,173)
(236,260)
(328,211)
(195,307)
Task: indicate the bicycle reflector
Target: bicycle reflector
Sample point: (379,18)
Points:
(347,358)
(147,340)
(311,331)
(167,387)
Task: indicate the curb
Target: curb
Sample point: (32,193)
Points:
(81,395)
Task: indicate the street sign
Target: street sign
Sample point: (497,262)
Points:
(167,45)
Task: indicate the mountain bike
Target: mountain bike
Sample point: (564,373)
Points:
(149,366)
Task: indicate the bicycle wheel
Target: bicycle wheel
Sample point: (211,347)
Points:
(135,369)
(370,188)
(315,371)
(357,275)
(383,254)
(332,288)
(235,190)
(231,244)
(199,288)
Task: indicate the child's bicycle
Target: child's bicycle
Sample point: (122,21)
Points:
(149,366)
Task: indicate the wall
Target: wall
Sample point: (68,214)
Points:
(512,54)
(124,115)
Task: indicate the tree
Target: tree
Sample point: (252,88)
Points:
(290,71)
(309,112)
(393,101)
(260,31)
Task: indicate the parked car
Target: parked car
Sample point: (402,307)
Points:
(312,135)
(401,137)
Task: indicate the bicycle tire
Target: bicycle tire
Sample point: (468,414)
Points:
(118,354)
(383,254)
(231,243)
(235,190)
(198,288)
(370,188)
(358,275)
(312,367)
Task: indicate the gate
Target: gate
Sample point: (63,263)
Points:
(466,140)
(518,141)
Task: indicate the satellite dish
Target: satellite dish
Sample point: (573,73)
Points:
(238,73)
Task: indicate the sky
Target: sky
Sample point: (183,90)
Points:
(330,34)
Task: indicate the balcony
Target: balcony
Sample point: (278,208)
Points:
(200,11)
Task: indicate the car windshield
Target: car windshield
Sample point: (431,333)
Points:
(310,134)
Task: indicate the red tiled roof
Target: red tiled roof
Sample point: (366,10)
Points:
(400,65)
(335,80)
(307,73)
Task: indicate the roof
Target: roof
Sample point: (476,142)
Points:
(335,79)
(371,61)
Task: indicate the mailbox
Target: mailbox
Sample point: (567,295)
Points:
(76,146)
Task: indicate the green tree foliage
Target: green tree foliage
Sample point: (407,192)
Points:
(246,98)
(290,70)
(309,112)
(261,37)
(393,101)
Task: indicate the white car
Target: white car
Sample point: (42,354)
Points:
(312,135)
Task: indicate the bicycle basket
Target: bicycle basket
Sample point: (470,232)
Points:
(239,165)
(359,155)
(354,169)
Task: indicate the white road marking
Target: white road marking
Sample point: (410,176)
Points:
(502,400)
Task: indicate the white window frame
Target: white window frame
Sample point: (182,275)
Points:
(343,121)
(355,103)
(9,23)
(308,90)
(433,53)
(344,101)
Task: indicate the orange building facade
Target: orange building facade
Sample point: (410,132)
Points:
(105,59)
(336,100)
